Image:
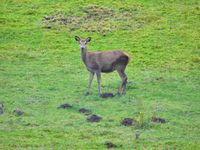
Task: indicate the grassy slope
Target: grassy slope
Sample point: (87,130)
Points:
(41,68)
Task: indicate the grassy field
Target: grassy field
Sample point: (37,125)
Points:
(41,68)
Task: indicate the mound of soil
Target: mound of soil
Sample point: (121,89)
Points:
(94,118)
(158,120)
(18,112)
(110,145)
(84,111)
(107,95)
(127,122)
(65,106)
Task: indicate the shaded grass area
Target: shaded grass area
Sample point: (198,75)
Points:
(40,68)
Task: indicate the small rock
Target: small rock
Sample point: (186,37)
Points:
(138,25)
(107,95)
(65,106)
(18,112)
(94,118)
(110,145)
(158,120)
(137,135)
(127,122)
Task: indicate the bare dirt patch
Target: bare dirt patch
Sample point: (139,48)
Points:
(85,111)
(65,106)
(99,19)
(158,120)
(107,95)
(110,145)
(98,12)
(94,118)
(59,19)
(128,122)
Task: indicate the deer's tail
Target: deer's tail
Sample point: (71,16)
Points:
(128,57)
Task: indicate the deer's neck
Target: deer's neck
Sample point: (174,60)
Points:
(84,54)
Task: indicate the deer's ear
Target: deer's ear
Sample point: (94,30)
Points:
(88,39)
(77,38)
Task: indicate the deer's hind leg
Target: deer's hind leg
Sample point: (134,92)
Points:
(123,76)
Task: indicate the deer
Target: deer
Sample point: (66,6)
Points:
(103,62)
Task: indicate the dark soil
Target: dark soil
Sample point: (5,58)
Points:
(158,120)
(110,145)
(18,112)
(84,111)
(94,118)
(107,95)
(127,122)
(65,106)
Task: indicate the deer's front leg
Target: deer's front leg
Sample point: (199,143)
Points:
(99,82)
(90,83)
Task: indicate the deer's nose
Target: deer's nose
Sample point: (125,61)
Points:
(82,46)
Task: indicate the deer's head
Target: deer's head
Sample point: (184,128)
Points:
(82,43)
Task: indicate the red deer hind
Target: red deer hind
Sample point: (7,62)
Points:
(107,61)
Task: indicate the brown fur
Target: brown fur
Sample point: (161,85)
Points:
(106,61)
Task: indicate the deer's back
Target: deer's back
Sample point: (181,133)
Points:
(107,61)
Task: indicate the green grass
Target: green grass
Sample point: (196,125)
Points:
(41,68)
